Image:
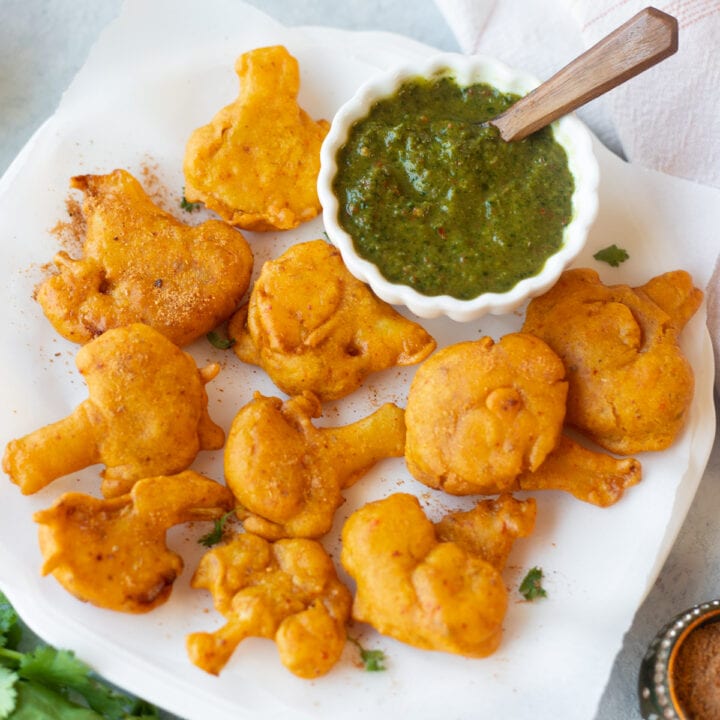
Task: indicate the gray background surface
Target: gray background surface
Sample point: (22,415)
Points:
(42,45)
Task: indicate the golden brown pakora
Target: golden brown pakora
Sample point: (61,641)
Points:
(140,264)
(490,528)
(256,163)
(481,412)
(590,476)
(312,326)
(287,591)
(288,474)
(630,386)
(146,415)
(112,552)
(436,587)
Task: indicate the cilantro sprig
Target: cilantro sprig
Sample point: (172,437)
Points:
(189,206)
(531,587)
(372,660)
(216,534)
(218,341)
(612,255)
(50,684)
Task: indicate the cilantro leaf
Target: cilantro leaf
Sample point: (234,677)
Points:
(612,255)
(531,587)
(53,667)
(372,660)
(218,341)
(188,206)
(51,684)
(216,534)
(60,670)
(37,702)
(9,627)
(8,693)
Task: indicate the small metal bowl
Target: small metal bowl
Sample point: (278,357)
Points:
(465,70)
(658,697)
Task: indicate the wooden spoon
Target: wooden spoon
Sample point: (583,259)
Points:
(643,41)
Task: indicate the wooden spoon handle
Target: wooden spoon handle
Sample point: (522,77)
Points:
(644,40)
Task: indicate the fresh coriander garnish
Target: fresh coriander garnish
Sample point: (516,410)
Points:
(8,693)
(373,660)
(216,534)
(189,206)
(48,683)
(218,341)
(612,255)
(10,630)
(531,587)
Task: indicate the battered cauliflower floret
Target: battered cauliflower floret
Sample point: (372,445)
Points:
(630,386)
(590,476)
(288,474)
(481,412)
(112,552)
(434,587)
(146,415)
(256,162)
(312,326)
(140,264)
(287,591)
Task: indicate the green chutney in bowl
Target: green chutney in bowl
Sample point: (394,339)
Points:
(432,209)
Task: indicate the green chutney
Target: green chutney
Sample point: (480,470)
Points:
(440,202)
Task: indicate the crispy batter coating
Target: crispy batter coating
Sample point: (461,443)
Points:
(490,529)
(112,553)
(590,476)
(256,162)
(287,591)
(312,326)
(434,587)
(630,386)
(140,264)
(479,413)
(146,415)
(675,293)
(288,474)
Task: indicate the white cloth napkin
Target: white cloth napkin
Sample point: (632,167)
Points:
(667,118)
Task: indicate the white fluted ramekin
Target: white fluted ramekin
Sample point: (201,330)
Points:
(465,70)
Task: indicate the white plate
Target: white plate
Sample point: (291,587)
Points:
(598,563)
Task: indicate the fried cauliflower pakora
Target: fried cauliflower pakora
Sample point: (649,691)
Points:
(312,326)
(140,264)
(256,163)
(288,474)
(490,529)
(630,386)
(436,587)
(146,415)
(112,552)
(480,413)
(590,476)
(287,591)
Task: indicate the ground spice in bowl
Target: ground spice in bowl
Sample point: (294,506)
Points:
(679,676)
(695,673)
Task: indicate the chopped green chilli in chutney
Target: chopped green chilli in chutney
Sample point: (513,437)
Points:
(438,201)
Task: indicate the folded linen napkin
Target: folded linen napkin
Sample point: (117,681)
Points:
(667,118)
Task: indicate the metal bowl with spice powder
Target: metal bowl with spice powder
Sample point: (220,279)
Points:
(680,673)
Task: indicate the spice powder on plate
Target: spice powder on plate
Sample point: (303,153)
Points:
(696,673)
